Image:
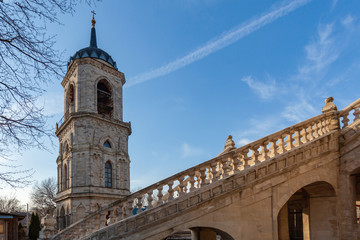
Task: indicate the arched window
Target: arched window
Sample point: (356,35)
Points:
(104,99)
(107,144)
(62,218)
(71,94)
(108,175)
(66,184)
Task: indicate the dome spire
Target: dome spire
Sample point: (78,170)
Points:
(93,33)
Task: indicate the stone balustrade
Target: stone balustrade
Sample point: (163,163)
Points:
(209,172)
(349,114)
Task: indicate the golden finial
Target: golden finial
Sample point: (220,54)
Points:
(93,19)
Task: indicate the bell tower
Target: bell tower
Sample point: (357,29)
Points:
(93,162)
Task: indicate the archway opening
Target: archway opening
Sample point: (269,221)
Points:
(355,187)
(310,213)
(200,233)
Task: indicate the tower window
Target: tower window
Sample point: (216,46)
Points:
(104,99)
(71,93)
(62,218)
(108,175)
(66,183)
(107,144)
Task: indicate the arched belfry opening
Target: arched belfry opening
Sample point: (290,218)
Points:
(104,98)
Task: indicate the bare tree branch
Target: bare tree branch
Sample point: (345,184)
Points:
(28,60)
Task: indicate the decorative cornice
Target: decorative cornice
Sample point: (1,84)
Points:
(95,116)
(96,63)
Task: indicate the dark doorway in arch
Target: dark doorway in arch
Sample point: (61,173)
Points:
(310,213)
(200,233)
(355,187)
(104,98)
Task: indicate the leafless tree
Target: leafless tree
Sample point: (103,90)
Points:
(43,196)
(27,62)
(10,204)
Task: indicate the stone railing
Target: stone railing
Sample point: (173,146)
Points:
(349,114)
(225,165)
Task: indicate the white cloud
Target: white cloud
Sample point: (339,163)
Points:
(243,141)
(299,111)
(220,42)
(348,20)
(263,90)
(333,5)
(258,128)
(188,150)
(320,54)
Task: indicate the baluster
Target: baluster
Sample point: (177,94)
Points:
(321,128)
(150,198)
(297,141)
(356,113)
(170,191)
(197,182)
(160,194)
(181,186)
(202,177)
(129,207)
(315,130)
(246,158)
(192,181)
(214,177)
(119,212)
(139,203)
(282,143)
(237,162)
(274,148)
(302,134)
(264,151)
(309,136)
(224,167)
(255,155)
(325,126)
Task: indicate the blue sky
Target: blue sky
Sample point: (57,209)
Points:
(200,70)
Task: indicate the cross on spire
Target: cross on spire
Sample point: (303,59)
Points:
(93,19)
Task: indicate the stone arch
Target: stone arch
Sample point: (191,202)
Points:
(354,179)
(201,233)
(310,213)
(293,185)
(104,90)
(62,218)
(108,139)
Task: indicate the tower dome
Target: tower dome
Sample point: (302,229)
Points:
(92,51)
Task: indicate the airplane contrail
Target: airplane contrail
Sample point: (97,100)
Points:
(220,42)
